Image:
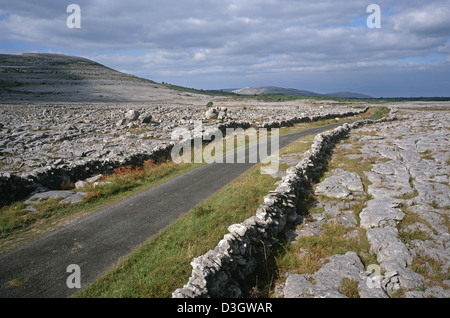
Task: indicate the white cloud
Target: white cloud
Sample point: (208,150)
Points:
(431,20)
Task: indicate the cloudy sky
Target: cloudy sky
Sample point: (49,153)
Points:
(321,45)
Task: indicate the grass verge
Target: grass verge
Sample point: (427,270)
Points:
(19,223)
(161,265)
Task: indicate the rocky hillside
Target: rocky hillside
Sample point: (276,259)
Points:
(54,77)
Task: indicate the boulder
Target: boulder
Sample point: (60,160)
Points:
(132,114)
(211,113)
(146,118)
(122,122)
(81,184)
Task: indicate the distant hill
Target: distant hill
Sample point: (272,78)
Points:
(273,90)
(227,90)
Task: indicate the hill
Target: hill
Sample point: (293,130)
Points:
(273,90)
(55,77)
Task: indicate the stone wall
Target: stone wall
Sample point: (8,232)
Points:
(16,187)
(221,272)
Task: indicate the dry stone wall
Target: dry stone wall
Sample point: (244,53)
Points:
(15,186)
(221,272)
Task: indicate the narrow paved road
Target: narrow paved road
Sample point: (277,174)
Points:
(96,242)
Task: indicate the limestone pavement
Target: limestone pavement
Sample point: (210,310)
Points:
(405,216)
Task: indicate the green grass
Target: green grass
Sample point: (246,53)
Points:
(332,241)
(15,217)
(316,247)
(162,264)
(303,126)
(382,112)
(411,218)
(426,155)
(20,224)
(298,146)
(431,269)
(349,288)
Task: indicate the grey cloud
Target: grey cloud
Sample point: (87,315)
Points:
(235,39)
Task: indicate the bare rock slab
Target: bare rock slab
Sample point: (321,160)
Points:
(327,282)
(381,212)
(64,197)
(340,185)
